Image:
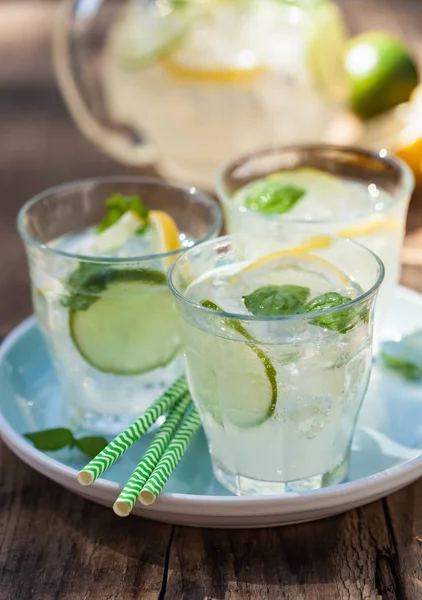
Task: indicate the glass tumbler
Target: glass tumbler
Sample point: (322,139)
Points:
(278,395)
(109,320)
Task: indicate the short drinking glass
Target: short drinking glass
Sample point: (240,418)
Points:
(326,189)
(278,351)
(98,251)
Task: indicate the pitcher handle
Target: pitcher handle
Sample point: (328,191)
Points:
(121,143)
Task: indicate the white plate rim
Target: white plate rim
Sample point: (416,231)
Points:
(353,492)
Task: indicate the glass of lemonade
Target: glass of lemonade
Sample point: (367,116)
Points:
(155,78)
(278,349)
(98,251)
(325,189)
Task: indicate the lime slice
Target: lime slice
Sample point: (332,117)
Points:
(144,35)
(237,381)
(327,37)
(231,382)
(131,328)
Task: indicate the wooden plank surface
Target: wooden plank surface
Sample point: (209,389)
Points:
(54,545)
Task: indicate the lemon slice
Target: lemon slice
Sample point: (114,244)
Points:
(284,266)
(214,52)
(116,235)
(327,38)
(165,232)
(184,71)
(373,227)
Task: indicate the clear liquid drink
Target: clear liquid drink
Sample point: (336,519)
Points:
(278,350)
(101,297)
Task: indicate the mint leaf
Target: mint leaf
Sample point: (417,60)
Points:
(89,280)
(271,197)
(51,439)
(404,356)
(276,299)
(341,320)
(118,205)
(406,368)
(91,445)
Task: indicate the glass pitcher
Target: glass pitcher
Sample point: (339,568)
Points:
(189,84)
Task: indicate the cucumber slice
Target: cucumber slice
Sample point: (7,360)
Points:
(130,329)
(237,381)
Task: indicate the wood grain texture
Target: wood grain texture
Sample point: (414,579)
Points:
(54,545)
(350,557)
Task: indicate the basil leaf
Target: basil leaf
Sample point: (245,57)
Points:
(276,299)
(406,368)
(117,205)
(88,281)
(341,320)
(91,445)
(271,197)
(51,439)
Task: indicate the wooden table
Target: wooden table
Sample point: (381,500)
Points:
(54,545)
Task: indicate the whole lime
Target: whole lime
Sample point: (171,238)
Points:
(382,73)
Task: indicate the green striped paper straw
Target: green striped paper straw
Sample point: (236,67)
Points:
(117,447)
(128,496)
(170,458)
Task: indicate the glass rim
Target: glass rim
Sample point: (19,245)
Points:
(407,182)
(192,191)
(274,318)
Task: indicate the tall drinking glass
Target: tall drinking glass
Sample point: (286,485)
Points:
(108,316)
(278,352)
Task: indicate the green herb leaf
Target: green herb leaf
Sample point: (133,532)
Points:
(272,197)
(118,205)
(276,299)
(341,320)
(91,445)
(88,281)
(406,368)
(404,356)
(51,439)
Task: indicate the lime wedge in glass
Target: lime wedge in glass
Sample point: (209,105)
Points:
(237,381)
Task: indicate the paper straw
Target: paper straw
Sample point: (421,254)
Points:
(170,459)
(117,447)
(129,495)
